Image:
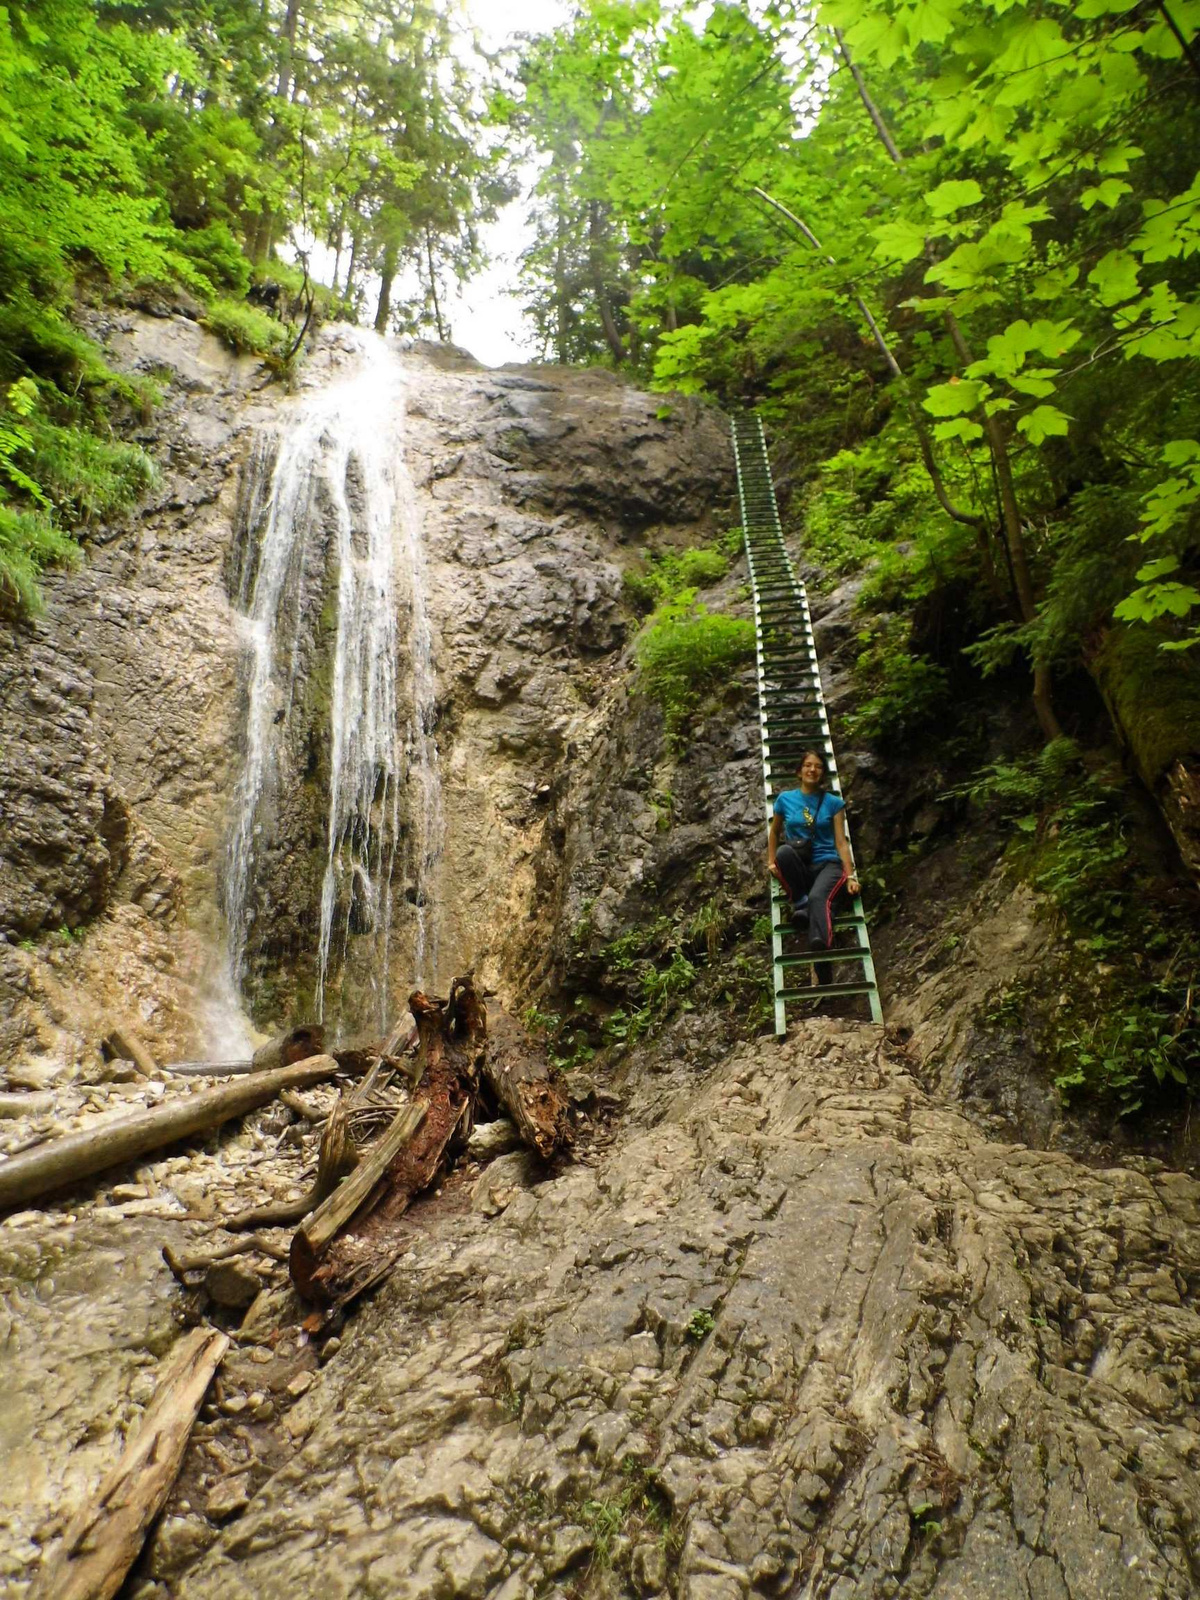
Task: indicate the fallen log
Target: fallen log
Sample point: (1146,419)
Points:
(60,1162)
(351,1061)
(104,1538)
(295,1045)
(209,1069)
(332,1266)
(524,1085)
(123,1044)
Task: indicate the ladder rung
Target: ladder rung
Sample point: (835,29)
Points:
(809,958)
(841,922)
(824,991)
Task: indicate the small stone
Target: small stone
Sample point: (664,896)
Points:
(300,1384)
(571,1544)
(233,1405)
(230,1497)
(329,1349)
(231,1283)
(649,1567)
(177,1543)
(264,1411)
(298,1427)
(493,1139)
(129,1191)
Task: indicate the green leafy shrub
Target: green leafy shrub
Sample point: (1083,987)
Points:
(246,329)
(684,652)
(670,573)
(905,692)
(217,255)
(56,471)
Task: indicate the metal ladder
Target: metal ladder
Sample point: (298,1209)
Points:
(792,718)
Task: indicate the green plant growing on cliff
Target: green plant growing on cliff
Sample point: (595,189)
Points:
(1132,966)
(699,1325)
(246,329)
(685,652)
(669,573)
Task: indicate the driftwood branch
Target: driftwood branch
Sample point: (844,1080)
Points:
(337,1157)
(112,1143)
(104,1538)
(320,1227)
(181,1262)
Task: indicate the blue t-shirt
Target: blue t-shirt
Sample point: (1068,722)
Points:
(799,813)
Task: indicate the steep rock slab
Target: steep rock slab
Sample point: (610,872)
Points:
(809,1335)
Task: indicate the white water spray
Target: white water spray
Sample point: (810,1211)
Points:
(335,472)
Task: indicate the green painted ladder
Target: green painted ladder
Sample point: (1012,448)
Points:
(792,719)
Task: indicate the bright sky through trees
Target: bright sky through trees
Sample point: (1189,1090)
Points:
(486,319)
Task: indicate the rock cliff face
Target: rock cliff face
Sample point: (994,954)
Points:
(790,1324)
(122,709)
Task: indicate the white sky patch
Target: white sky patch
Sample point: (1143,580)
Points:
(485,317)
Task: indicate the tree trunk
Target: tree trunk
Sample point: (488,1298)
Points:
(287,49)
(600,289)
(443,332)
(387,276)
(106,1535)
(49,1167)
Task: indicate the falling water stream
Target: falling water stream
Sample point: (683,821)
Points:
(329,491)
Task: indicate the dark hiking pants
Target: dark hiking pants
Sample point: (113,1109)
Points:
(822,885)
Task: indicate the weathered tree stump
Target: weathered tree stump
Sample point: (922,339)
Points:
(522,1081)
(337,1256)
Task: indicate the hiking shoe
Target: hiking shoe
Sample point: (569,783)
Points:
(800,912)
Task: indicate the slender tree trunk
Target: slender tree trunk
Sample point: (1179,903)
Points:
(287,49)
(608,321)
(337,241)
(351,264)
(387,276)
(442,332)
(560,284)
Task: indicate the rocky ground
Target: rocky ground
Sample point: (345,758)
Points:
(808,1333)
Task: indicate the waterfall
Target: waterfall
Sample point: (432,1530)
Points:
(328,503)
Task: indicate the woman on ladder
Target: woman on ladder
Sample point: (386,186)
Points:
(809,853)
